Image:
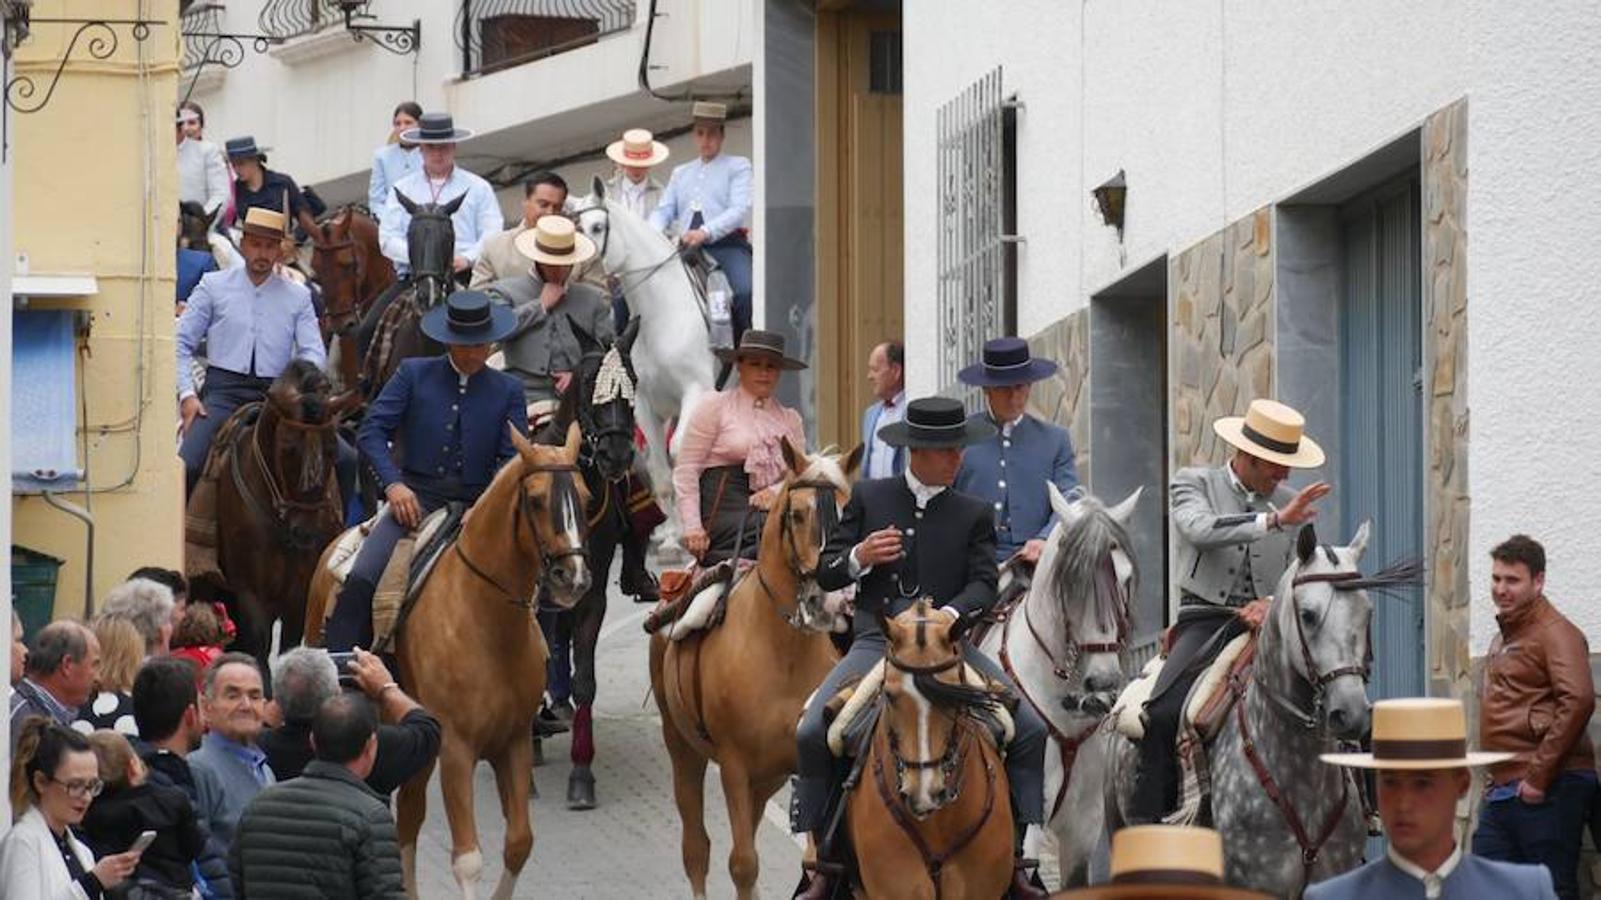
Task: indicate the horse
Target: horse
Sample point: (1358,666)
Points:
(734,694)
(599,400)
(673,354)
(932,796)
(395,329)
(278,502)
(1062,645)
(468,648)
(1287,819)
(352,272)
(195,233)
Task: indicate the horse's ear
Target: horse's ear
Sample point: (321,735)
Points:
(450,208)
(597,189)
(575,439)
(1059,504)
(525,447)
(795,459)
(1359,543)
(853,460)
(1306,543)
(406,202)
(1124,510)
(625,343)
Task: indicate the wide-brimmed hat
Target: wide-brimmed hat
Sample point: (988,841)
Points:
(435,128)
(935,423)
(263,222)
(637,148)
(469,317)
(554,241)
(244,148)
(756,342)
(1006,362)
(1168,861)
(711,112)
(1418,733)
(1272,431)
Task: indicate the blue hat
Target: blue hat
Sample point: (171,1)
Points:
(469,317)
(244,148)
(1006,363)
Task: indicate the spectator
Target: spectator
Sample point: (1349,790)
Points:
(149,605)
(886,375)
(174,581)
(19,650)
(121,651)
(284,846)
(166,709)
(305,679)
(545,194)
(394,160)
(53,781)
(233,704)
(60,675)
(131,803)
(1536,699)
(202,172)
(199,637)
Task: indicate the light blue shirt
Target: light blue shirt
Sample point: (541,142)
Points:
(722,188)
(272,323)
(478,218)
(390,163)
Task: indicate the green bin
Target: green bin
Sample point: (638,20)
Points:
(33,588)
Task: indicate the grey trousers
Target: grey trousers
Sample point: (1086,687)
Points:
(818,771)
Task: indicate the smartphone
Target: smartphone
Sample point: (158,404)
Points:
(144,840)
(342,662)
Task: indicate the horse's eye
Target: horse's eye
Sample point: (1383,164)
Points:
(1308,618)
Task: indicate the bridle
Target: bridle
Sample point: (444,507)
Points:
(827,515)
(649,270)
(355,271)
(524,515)
(593,432)
(1316,680)
(1067,668)
(285,500)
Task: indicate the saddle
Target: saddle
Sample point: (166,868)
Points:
(200,515)
(406,572)
(680,587)
(853,710)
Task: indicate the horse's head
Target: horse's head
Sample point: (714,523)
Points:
(928,692)
(1317,631)
(431,246)
(337,266)
(608,225)
(804,512)
(194,226)
(605,383)
(299,437)
(551,502)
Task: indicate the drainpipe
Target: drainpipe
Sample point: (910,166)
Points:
(82,515)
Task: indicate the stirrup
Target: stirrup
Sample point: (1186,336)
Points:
(823,867)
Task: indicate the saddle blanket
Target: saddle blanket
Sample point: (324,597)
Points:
(403,576)
(856,702)
(200,514)
(1200,710)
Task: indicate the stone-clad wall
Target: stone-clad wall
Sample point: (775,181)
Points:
(1064,398)
(1222,334)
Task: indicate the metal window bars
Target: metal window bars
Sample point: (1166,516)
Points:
(499,34)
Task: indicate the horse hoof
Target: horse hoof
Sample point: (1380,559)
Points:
(539,753)
(581,789)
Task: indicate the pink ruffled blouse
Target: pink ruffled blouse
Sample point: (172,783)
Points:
(727,429)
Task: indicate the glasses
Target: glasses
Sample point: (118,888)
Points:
(90,788)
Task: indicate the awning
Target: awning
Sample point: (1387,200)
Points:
(43,401)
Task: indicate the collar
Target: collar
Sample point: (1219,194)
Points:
(895,401)
(250,756)
(58,710)
(1434,881)
(318,768)
(922,493)
(1239,486)
(1006,427)
(448,175)
(753,401)
(461,377)
(1511,623)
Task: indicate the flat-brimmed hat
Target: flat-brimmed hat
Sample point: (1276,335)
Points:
(1272,431)
(711,112)
(469,317)
(1006,362)
(756,342)
(435,128)
(555,241)
(263,222)
(1418,733)
(244,148)
(637,148)
(936,423)
(1165,861)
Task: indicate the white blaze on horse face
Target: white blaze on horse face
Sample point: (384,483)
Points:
(923,796)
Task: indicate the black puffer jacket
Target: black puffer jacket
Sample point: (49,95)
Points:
(116,818)
(324,834)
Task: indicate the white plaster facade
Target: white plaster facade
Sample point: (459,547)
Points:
(1218,109)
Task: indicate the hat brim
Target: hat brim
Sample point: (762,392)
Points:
(1474,759)
(900,434)
(436,325)
(658,155)
(263,232)
(978,375)
(583,249)
(732,355)
(1308,455)
(256,153)
(414,136)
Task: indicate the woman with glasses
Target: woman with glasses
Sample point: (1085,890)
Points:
(54,778)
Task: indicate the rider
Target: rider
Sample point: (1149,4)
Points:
(1010,469)
(202,172)
(449,415)
(544,194)
(1235,527)
(256,186)
(901,539)
(634,188)
(253,320)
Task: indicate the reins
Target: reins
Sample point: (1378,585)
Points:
(649,270)
(547,558)
(283,504)
(787,540)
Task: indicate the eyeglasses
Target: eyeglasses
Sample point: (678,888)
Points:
(90,788)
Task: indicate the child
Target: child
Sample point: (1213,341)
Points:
(199,637)
(129,805)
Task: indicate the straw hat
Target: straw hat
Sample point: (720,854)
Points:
(637,148)
(555,241)
(757,342)
(712,112)
(1272,431)
(1418,733)
(1165,861)
(263,222)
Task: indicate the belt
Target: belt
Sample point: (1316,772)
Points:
(1188,598)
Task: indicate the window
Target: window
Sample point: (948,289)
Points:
(499,34)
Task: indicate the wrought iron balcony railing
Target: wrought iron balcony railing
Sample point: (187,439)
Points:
(498,34)
(287,19)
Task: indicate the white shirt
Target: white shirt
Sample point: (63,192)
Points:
(922,495)
(477,218)
(1250,496)
(881,456)
(1433,882)
(633,195)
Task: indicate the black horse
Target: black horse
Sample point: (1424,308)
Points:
(390,331)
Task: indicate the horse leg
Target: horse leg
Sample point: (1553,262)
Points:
(744,814)
(689,782)
(411,807)
(657,462)
(514,778)
(588,616)
(456,763)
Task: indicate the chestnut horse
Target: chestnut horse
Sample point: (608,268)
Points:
(478,660)
(734,694)
(352,272)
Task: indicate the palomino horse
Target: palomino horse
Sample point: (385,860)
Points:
(395,331)
(470,634)
(1062,646)
(932,796)
(352,272)
(673,355)
(1287,819)
(734,694)
(278,503)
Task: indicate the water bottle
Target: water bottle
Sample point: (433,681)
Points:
(720,309)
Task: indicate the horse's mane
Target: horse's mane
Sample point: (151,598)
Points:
(956,698)
(554,432)
(824,466)
(311,384)
(1082,571)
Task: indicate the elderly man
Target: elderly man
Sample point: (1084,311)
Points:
(258,187)
(234,765)
(1536,700)
(545,194)
(886,375)
(634,188)
(253,321)
(305,678)
(149,605)
(1009,471)
(284,846)
(1235,527)
(1420,750)
(59,676)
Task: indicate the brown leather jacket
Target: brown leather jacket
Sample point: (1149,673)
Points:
(1537,697)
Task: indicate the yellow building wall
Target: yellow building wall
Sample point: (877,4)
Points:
(96,192)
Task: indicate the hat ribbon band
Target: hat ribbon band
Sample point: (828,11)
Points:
(552,249)
(1002,367)
(917,427)
(639,154)
(1166,876)
(1444,748)
(1273,444)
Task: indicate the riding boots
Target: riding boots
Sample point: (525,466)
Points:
(351,622)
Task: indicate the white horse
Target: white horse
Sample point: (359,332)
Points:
(1062,643)
(672,355)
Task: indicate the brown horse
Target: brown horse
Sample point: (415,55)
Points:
(477,660)
(734,694)
(931,816)
(278,502)
(352,271)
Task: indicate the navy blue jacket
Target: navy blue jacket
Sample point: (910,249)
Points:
(1010,473)
(452,436)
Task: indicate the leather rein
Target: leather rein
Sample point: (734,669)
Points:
(357,271)
(548,558)
(788,539)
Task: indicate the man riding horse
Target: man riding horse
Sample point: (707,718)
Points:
(1236,527)
(900,540)
(449,415)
